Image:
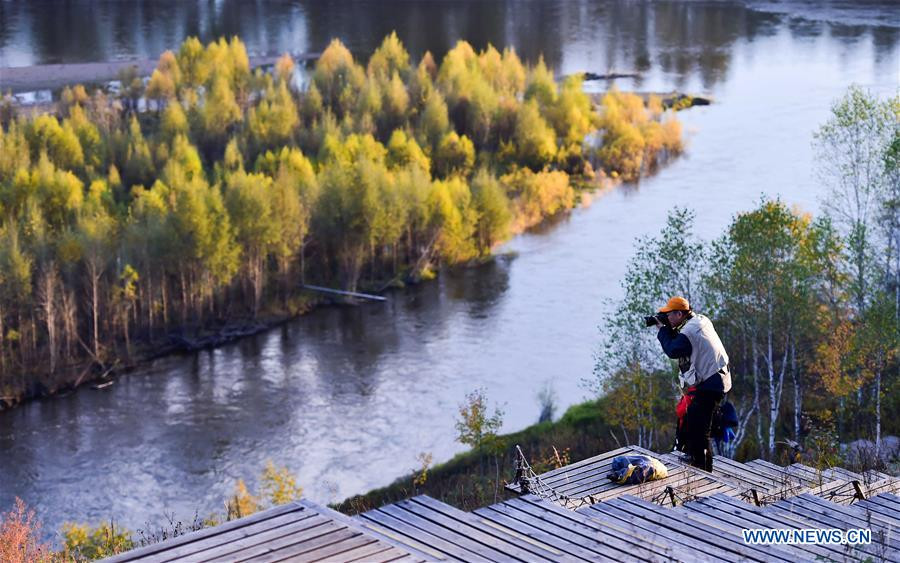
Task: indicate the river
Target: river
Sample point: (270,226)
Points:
(348,397)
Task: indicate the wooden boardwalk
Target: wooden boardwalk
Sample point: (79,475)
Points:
(758,482)
(691,515)
(298,531)
(628,528)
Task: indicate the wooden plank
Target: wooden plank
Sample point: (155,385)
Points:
(427,540)
(274,525)
(678,545)
(832,519)
(328,529)
(206,533)
(526,548)
(886,514)
(471,533)
(663,518)
(872,476)
(841,473)
(545,532)
(813,476)
(399,538)
(541,532)
(631,544)
(372,552)
(822,521)
(597,472)
(391,554)
(776,472)
(887,499)
(284,549)
(735,470)
(750,518)
(682,477)
(890,485)
(597,483)
(356,524)
(838,511)
(572,467)
(728,528)
(337,548)
(312,525)
(613,539)
(457,538)
(570,532)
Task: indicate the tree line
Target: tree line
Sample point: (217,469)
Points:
(808,307)
(210,190)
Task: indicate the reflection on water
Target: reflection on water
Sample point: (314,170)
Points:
(348,396)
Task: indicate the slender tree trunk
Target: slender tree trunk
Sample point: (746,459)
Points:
(303,263)
(70,312)
(165,301)
(756,402)
(2,346)
(798,394)
(94,277)
(150,304)
(48,306)
(877,413)
(184,299)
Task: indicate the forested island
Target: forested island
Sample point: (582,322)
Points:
(202,198)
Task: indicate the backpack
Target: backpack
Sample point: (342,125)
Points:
(725,420)
(636,469)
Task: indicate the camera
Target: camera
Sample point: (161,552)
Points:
(661,317)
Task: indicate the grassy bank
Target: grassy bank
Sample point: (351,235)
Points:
(476,478)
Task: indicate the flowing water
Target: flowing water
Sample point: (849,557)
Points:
(348,397)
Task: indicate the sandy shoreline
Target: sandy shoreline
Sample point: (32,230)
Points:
(43,77)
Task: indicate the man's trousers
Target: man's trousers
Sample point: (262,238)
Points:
(699,424)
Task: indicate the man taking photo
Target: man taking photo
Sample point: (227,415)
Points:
(703,363)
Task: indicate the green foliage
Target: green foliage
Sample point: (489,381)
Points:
(220,111)
(279,485)
(404,151)
(338,78)
(534,139)
(538,194)
(389,59)
(633,138)
(454,219)
(493,208)
(211,201)
(477,426)
(241,503)
(59,142)
(84,543)
(853,154)
(272,122)
(455,155)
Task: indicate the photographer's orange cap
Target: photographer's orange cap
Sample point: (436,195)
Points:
(676,304)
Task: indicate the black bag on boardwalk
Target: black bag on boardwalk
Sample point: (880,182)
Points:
(636,469)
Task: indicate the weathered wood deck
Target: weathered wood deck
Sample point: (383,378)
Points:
(759,482)
(628,528)
(298,531)
(689,516)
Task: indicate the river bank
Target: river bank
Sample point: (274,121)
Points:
(477,477)
(54,76)
(221,332)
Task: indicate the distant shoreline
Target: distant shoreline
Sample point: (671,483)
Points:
(49,77)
